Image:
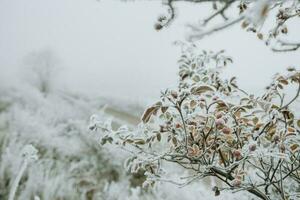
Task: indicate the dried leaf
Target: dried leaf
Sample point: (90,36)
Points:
(298,123)
(258,126)
(193,104)
(158,136)
(140,142)
(129,141)
(260,36)
(202,89)
(233,79)
(174,141)
(255,120)
(245,24)
(221,106)
(283,81)
(291,130)
(164,109)
(150,111)
(294,147)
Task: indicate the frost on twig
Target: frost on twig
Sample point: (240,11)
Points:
(251,14)
(29,155)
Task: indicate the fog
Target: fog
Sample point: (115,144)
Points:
(110,48)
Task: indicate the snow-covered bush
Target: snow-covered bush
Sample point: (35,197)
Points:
(71,164)
(212,128)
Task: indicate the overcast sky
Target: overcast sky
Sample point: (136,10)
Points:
(110,48)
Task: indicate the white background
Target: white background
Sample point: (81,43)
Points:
(110,48)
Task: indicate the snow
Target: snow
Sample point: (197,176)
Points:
(106,65)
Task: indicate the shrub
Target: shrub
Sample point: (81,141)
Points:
(212,128)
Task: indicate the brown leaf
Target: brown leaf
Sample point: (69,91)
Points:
(193,104)
(158,136)
(245,24)
(174,141)
(238,114)
(258,126)
(164,109)
(260,36)
(139,141)
(294,147)
(221,106)
(202,89)
(150,111)
(298,123)
(255,120)
(291,129)
(283,81)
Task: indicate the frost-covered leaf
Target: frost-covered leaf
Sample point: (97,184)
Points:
(150,111)
(202,89)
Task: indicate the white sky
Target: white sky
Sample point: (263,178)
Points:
(110,48)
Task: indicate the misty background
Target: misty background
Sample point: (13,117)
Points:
(111,49)
(109,63)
